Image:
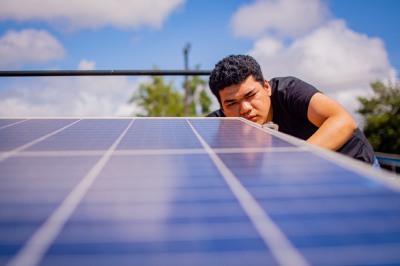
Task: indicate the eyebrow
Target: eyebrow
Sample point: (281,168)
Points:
(227,101)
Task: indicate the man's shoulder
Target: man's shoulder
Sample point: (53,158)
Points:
(283,82)
(216,113)
(291,85)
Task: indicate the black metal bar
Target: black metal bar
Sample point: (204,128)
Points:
(38,73)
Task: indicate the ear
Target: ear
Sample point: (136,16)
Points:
(267,87)
(219,100)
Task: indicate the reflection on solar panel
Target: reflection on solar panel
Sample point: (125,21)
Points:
(198,191)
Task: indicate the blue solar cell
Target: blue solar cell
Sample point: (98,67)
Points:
(289,168)
(178,216)
(168,259)
(235,134)
(22,133)
(351,239)
(146,192)
(155,247)
(183,212)
(152,171)
(31,189)
(12,235)
(159,134)
(88,134)
(354,255)
(311,199)
(27,174)
(8,122)
(9,250)
(148,232)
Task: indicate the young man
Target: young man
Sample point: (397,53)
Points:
(296,107)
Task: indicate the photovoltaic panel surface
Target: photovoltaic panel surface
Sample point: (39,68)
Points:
(197,191)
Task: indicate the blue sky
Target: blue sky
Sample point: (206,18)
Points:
(339,46)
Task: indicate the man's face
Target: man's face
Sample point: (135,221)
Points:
(249,100)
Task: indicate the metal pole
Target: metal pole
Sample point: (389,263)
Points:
(186,84)
(50,73)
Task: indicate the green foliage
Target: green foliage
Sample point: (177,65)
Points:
(198,98)
(381,112)
(158,99)
(205,102)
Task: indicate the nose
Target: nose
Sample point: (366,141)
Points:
(245,107)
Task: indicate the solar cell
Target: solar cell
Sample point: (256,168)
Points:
(186,191)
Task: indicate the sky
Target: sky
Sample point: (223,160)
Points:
(339,46)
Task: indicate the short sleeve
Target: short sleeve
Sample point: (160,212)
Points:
(296,95)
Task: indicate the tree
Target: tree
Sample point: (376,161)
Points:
(381,112)
(199,102)
(160,99)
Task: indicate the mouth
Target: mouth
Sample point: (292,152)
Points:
(252,118)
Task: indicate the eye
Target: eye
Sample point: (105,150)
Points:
(251,95)
(231,104)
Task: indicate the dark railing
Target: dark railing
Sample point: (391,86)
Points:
(390,162)
(38,73)
(154,72)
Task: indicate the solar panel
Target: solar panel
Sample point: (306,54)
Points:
(186,191)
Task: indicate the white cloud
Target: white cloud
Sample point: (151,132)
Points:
(69,96)
(338,61)
(91,13)
(283,17)
(28,46)
(86,65)
(333,57)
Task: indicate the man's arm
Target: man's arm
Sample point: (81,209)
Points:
(335,124)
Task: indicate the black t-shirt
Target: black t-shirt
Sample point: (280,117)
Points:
(289,100)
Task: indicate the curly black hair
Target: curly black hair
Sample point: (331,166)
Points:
(233,70)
